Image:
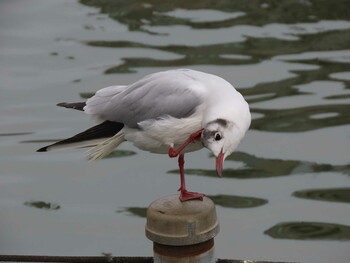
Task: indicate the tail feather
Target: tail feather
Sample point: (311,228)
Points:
(88,138)
(106,147)
(76,145)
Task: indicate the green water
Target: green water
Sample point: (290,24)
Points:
(285,192)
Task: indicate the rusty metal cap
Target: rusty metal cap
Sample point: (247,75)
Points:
(175,223)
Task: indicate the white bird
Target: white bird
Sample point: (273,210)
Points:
(171,112)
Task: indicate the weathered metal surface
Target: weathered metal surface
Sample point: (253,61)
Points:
(175,223)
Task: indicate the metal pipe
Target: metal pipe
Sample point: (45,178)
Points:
(182,231)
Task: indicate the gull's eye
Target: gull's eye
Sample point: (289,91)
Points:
(217,136)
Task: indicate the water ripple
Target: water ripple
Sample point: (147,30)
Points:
(138,15)
(301,119)
(233,201)
(42,205)
(330,194)
(120,153)
(309,231)
(229,201)
(258,167)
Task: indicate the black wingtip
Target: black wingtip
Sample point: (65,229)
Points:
(43,149)
(74,105)
(61,104)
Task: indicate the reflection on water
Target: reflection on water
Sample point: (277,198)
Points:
(120,153)
(135,211)
(258,167)
(301,119)
(331,194)
(138,16)
(86,95)
(254,50)
(309,231)
(229,201)
(233,201)
(43,205)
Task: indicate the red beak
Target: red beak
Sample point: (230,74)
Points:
(220,163)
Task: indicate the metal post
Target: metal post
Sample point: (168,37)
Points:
(182,231)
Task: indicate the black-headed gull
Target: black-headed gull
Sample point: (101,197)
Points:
(171,112)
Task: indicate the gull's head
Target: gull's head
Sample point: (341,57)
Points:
(221,137)
(225,119)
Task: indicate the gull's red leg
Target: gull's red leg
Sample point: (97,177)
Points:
(196,136)
(184,194)
(181,161)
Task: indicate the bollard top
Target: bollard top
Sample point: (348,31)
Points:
(175,223)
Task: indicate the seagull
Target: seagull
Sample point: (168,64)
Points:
(170,112)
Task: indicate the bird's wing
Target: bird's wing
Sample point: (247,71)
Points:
(157,95)
(97,103)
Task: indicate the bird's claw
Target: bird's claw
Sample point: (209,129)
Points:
(172,153)
(186,196)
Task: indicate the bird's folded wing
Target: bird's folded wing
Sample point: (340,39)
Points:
(157,95)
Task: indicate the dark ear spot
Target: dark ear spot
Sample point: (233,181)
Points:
(221,122)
